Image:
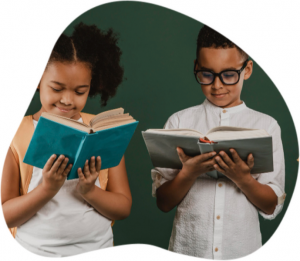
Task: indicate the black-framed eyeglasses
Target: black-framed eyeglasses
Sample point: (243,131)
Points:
(227,77)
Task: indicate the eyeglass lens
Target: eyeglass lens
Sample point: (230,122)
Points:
(228,77)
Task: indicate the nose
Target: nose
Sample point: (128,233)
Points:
(217,84)
(67,98)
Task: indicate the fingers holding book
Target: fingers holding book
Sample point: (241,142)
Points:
(55,173)
(98,164)
(88,176)
(250,161)
(237,170)
(182,156)
(197,165)
(95,165)
(236,158)
(62,170)
(86,170)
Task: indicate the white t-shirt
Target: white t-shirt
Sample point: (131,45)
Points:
(215,220)
(66,225)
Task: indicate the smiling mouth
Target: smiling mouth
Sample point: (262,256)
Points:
(63,109)
(219,95)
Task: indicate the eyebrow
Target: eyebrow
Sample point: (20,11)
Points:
(63,85)
(204,68)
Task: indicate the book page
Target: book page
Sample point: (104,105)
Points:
(216,134)
(112,120)
(106,114)
(227,128)
(67,121)
(113,125)
(236,134)
(183,132)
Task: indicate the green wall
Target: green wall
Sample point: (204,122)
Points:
(159,47)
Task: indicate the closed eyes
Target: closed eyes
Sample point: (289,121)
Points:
(58,90)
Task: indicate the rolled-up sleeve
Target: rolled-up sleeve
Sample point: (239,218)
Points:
(275,179)
(161,175)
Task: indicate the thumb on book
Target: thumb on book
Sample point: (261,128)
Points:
(183,158)
(250,161)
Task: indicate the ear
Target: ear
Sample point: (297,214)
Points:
(248,70)
(195,64)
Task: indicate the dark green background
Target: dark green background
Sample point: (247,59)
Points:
(159,47)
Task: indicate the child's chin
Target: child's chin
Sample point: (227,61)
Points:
(218,103)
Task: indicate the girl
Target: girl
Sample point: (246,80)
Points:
(47,214)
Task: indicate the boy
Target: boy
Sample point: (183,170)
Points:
(218,218)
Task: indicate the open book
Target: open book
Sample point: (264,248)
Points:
(101,121)
(107,135)
(162,144)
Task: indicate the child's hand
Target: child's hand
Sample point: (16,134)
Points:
(88,177)
(195,166)
(54,175)
(236,170)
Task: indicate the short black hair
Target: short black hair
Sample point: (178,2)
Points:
(208,37)
(99,51)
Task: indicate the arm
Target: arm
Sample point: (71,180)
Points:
(114,203)
(260,195)
(18,209)
(171,193)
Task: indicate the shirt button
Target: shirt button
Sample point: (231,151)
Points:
(224,111)
(218,217)
(216,249)
(220,185)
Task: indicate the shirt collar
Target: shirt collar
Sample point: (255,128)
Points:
(209,106)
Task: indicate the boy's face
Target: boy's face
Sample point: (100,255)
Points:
(217,60)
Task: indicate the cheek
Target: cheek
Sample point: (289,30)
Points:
(205,90)
(81,101)
(47,97)
(237,90)
(234,93)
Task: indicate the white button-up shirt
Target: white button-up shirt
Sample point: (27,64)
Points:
(215,219)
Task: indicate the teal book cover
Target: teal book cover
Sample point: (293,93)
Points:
(51,137)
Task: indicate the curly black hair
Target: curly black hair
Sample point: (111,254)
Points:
(208,37)
(99,51)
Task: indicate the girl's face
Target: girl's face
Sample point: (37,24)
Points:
(64,89)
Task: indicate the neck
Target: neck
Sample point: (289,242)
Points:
(37,115)
(230,105)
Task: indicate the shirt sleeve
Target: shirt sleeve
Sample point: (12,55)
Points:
(14,151)
(275,179)
(161,175)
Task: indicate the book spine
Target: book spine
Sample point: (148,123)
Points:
(205,148)
(73,173)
